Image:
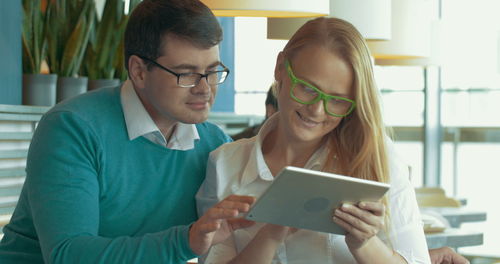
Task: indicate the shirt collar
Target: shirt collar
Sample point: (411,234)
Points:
(139,123)
(257,157)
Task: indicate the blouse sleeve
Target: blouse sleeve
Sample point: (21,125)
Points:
(208,195)
(406,231)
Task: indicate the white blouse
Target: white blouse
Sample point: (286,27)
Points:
(239,168)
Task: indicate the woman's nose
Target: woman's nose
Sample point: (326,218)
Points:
(317,108)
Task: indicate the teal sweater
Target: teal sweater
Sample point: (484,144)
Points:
(93,196)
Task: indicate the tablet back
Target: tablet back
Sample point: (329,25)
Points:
(306,199)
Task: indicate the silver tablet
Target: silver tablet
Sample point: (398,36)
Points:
(306,199)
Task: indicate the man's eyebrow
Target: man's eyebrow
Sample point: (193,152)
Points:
(185,67)
(192,67)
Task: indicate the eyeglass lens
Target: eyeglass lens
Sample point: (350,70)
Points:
(192,79)
(308,95)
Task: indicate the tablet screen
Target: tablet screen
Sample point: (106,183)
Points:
(305,199)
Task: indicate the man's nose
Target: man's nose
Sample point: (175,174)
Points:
(202,87)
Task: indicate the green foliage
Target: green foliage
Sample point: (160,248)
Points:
(33,36)
(119,62)
(105,48)
(68,30)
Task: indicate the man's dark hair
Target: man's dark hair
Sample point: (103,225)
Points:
(152,20)
(271,99)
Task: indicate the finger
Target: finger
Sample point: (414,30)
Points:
(377,208)
(216,213)
(374,208)
(353,221)
(240,207)
(208,227)
(348,227)
(240,203)
(458,259)
(226,209)
(365,216)
(241,198)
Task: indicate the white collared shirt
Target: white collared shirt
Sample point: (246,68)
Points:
(240,168)
(139,123)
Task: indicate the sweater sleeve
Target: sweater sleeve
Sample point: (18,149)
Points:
(63,194)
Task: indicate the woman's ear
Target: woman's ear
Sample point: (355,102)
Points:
(137,71)
(280,64)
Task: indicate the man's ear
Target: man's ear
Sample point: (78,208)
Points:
(137,70)
(280,64)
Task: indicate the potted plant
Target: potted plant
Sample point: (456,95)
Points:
(104,44)
(121,72)
(38,89)
(68,29)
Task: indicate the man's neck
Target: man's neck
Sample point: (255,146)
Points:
(167,132)
(166,127)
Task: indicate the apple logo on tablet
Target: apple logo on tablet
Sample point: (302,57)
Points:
(316,204)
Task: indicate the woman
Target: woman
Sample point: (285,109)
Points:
(329,119)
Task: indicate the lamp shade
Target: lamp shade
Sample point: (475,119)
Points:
(410,32)
(434,57)
(371,17)
(268,8)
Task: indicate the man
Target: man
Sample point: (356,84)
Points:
(112,175)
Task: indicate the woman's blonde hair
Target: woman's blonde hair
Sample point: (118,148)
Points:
(358,143)
(359,140)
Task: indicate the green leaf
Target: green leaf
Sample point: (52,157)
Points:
(28,63)
(33,37)
(68,27)
(104,46)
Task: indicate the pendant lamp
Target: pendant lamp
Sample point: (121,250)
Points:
(410,31)
(268,8)
(371,17)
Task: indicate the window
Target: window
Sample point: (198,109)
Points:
(470,75)
(255,58)
(402,90)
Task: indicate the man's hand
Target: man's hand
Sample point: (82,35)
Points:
(218,222)
(446,255)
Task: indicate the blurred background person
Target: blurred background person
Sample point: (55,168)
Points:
(271,108)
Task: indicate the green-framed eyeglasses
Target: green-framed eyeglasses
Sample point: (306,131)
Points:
(306,93)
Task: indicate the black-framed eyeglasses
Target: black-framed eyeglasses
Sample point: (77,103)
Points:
(191,79)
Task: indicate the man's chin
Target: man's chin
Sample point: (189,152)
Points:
(196,117)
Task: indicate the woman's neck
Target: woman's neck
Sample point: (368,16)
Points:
(279,152)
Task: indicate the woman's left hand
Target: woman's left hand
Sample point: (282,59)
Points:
(362,222)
